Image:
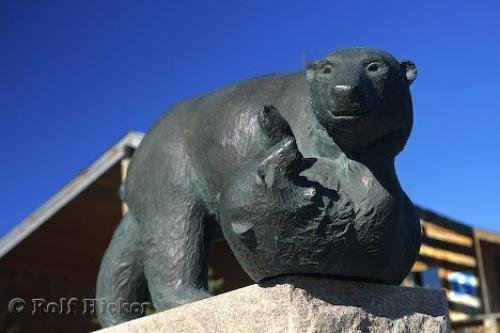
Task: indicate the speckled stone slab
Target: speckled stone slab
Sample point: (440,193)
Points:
(305,304)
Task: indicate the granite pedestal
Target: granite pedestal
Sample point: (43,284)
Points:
(305,304)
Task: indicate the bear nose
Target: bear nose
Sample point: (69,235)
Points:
(348,99)
(346,93)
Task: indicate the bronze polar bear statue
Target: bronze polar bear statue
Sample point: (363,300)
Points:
(305,186)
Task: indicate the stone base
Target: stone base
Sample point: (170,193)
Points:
(305,304)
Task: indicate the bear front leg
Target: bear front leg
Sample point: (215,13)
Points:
(176,251)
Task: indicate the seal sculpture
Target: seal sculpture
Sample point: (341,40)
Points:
(305,186)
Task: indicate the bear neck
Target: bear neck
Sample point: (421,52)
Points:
(379,159)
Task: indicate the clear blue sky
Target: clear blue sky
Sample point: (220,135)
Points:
(75,76)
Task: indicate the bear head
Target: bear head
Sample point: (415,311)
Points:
(361,96)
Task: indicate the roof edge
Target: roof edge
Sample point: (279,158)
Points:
(69,191)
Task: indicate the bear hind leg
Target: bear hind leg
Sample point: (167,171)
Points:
(121,286)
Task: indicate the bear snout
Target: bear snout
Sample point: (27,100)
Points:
(349,100)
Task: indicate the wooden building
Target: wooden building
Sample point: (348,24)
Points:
(465,262)
(55,253)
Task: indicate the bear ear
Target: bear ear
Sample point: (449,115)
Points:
(410,70)
(310,70)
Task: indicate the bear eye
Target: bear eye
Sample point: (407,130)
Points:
(327,68)
(374,66)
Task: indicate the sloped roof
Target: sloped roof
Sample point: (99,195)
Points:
(70,191)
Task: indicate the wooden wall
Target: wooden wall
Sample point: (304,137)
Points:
(61,259)
(448,247)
